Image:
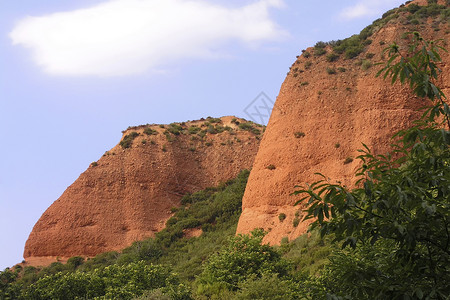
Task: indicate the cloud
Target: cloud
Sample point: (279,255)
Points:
(122,37)
(367,8)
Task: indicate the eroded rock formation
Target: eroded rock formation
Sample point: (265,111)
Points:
(324,112)
(128,194)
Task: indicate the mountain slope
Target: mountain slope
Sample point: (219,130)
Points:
(129,193)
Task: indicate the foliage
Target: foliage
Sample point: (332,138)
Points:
(270,287)
(332,57)
(401,203)
(150,131)
(242,258)
(127,141)
(249,126)
(331,71)
(124,282)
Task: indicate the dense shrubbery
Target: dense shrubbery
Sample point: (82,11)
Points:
(112,282)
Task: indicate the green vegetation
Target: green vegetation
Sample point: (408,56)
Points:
(299,134)
(332,57)
(282,217)
(271,167)
(366,64)
(319,48)
(348,160)
(250,126)
(308,64)
(331,71)
(149,131)
(127,141)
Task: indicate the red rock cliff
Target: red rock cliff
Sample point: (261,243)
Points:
(127,195)
(323,113)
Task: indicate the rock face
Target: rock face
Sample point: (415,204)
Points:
(128,194)
(321,118)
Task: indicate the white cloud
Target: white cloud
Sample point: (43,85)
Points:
(121,37)
(367,8)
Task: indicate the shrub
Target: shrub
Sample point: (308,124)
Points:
(244,257)
(299,134)
(175,129)
(332,57)
(282,217)
(308,65)
(127,141)
(366,64)
(94,164)
(149,131)
(214,120)
(348,160)
(124,282)
(306,54)
(164,148)
(331,71)
(304,83)
(319,51)
(341,69)
(295,222)
(271,167)
(144,142)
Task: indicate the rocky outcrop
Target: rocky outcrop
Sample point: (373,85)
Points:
(128,194)
(324,112)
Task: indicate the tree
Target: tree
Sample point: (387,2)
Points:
(402,199)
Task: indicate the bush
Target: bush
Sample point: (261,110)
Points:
(244,257)
(308,64)
(331,71)
(366,64)
(124,282)
(306,54)
(194,129)
(348,160)
(332,57)
(149,131)
(271,167)
(319,51)
(127,141)
(299,134)
(282,217)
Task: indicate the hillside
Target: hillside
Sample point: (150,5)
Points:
(132,190)
(329,104)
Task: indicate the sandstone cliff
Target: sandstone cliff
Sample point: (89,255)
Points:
(327,106)
(128,194)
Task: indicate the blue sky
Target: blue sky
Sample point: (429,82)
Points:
(74,74)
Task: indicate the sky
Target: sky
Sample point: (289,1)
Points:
(75,73)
